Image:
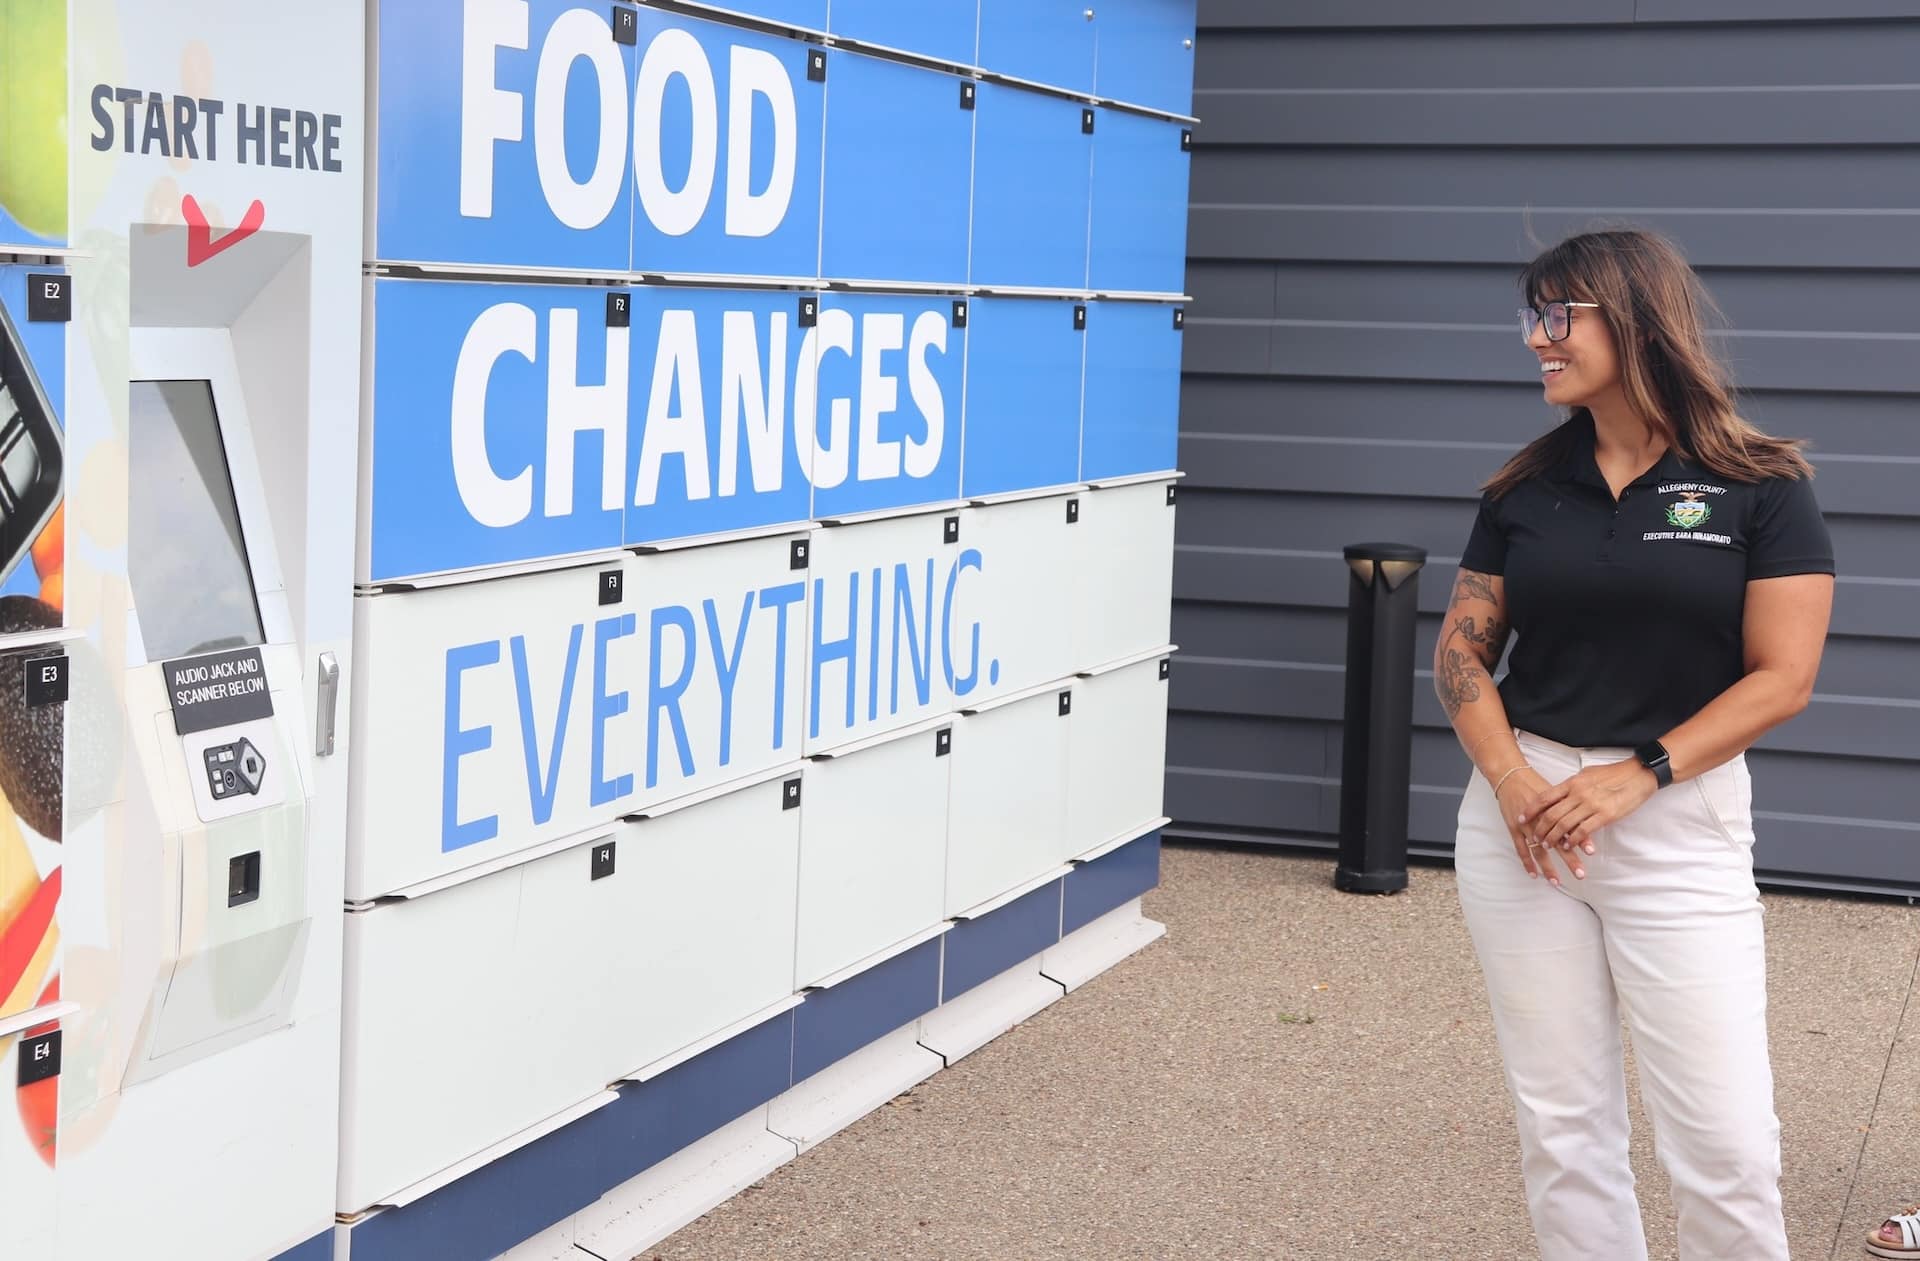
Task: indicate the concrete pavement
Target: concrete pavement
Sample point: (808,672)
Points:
(1299,1073)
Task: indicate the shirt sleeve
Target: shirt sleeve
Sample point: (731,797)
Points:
(1788,534)
(1487,546)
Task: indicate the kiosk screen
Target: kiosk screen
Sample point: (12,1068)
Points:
(186,556)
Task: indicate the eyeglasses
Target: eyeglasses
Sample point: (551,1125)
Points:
(1557,316)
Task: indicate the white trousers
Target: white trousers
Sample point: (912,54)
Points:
(1666,928)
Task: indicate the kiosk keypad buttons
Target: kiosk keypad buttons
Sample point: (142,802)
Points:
(233,769)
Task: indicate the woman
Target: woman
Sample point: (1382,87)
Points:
(1668,577)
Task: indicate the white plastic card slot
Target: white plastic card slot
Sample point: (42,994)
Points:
(1153,296)
(1038,492)
(1121,841)
(675,1059)
(597,558)
(1135,479)
(879,957)
(798,529)
(22,641)
(893,514)
(1131,660)
(1025,694)
(784,771)
(453,1173)
(21,1021)
(520,858)
(920,728)
(1014,894)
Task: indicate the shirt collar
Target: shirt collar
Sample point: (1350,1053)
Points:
(1579,465)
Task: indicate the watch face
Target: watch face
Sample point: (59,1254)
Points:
(1653,756)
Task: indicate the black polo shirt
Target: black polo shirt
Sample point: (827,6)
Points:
(1628,615)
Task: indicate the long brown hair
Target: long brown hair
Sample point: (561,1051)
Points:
(1653,303)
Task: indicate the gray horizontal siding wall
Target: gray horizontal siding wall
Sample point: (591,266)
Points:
(1367,176)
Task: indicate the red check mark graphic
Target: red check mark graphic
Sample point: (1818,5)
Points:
(200,243)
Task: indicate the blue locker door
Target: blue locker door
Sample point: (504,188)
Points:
(1041,41)
(711,413)
(883,422)
(1139,226)
(1023,395)
(1145,53)
(808,15)
(946,31)
(467,370)
(1133,390)
(425,210)
(899,173)
(728,179)
(1032,179)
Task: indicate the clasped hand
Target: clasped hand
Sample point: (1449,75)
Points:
(1547,819)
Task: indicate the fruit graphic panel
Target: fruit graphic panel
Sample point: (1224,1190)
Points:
(38,1102)
(33,123)
(32,561)
(33,357)
(29,932)
(27,1150)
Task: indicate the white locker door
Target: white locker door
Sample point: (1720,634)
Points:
(1123,572)
(1119,757)
(1009,811)
(873,836)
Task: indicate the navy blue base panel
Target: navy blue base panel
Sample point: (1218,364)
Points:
(509,1200)
(490,1210)
(981,949)
(1112,880)
(683,1105)
(318,1248)
(834,1023)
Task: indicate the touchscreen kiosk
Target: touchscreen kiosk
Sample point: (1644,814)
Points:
(213,691)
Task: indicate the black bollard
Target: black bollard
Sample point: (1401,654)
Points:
(1377,749)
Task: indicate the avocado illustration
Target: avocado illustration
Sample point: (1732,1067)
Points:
(31,739)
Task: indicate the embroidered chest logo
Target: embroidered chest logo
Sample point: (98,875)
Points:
(1691,511)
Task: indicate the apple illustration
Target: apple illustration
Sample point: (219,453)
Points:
(33,104)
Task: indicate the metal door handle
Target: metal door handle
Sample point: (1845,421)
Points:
(329,700)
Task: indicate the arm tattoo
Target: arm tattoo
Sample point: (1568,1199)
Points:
(1487,643)
(1472,586)
(1461,668)
(1458,681)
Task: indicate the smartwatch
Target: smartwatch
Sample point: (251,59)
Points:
(1653,756)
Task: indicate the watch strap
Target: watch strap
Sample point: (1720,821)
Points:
(1653,756)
